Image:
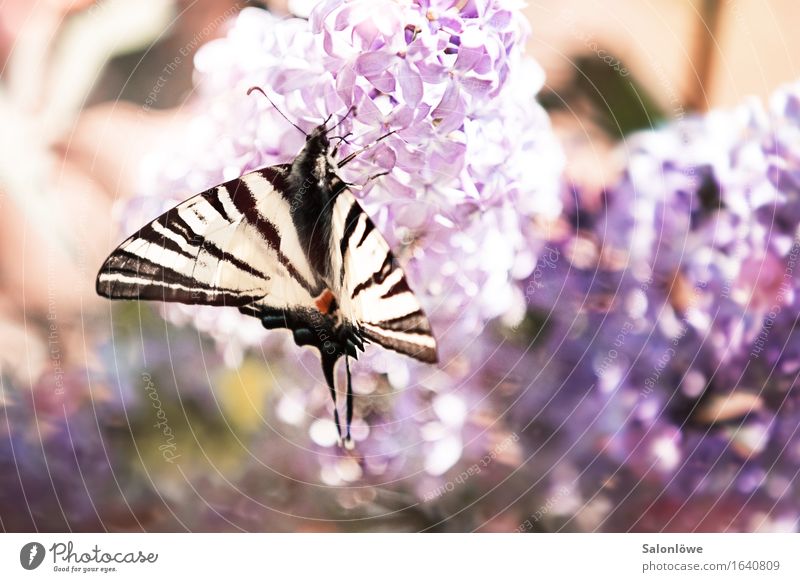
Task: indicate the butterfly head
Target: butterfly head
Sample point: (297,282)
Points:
(317,141)
(314,170)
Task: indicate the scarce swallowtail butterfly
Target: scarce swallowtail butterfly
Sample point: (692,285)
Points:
(290,245)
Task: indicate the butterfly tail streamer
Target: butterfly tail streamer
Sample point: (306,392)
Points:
(328,365)
(348,441)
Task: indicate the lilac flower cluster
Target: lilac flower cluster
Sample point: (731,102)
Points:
(672,362)
(472,168)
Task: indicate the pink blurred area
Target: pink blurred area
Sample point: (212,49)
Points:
(74,83)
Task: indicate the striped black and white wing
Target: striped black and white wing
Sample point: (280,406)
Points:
(373,290)
(233,244)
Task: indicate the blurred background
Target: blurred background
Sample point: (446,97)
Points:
(130,417)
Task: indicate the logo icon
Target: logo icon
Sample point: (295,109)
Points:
(31,555)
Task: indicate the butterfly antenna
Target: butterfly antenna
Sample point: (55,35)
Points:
(260,90)
(352,156)
(346,115)
(342,139)
(348,441)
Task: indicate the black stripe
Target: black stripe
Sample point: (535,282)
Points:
(225,256)
(212,197)
(414,322)
(212,249)
(126,263)
(195,240)
(276,175)
(161,292)
(420,352)
(216,251)
(245,201)
(123,262)
(378,276)
(400,287)
(150,235)
(368,227)
(172,220)
(350,223)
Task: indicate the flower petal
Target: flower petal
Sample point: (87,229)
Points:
(467,58)
(345,82)
(373,63)
(320,12)
(385,82)
(476,87)
(410,83)
(449,114)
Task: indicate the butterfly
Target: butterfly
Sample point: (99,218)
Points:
(290,245)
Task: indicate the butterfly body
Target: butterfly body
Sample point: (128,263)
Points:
(290,245)
(312,187)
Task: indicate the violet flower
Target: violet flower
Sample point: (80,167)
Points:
(667,385)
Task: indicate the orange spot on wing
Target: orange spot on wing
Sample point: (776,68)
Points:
(324,301)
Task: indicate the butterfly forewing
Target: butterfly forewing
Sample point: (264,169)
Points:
(372,287)
(234,244)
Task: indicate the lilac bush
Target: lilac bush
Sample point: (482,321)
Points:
(472,176)
(668,380)
(61,470)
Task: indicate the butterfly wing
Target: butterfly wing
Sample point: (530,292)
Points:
(372,287)
(233,244)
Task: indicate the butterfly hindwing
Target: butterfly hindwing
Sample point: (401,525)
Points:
(233,244)
(373,288)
